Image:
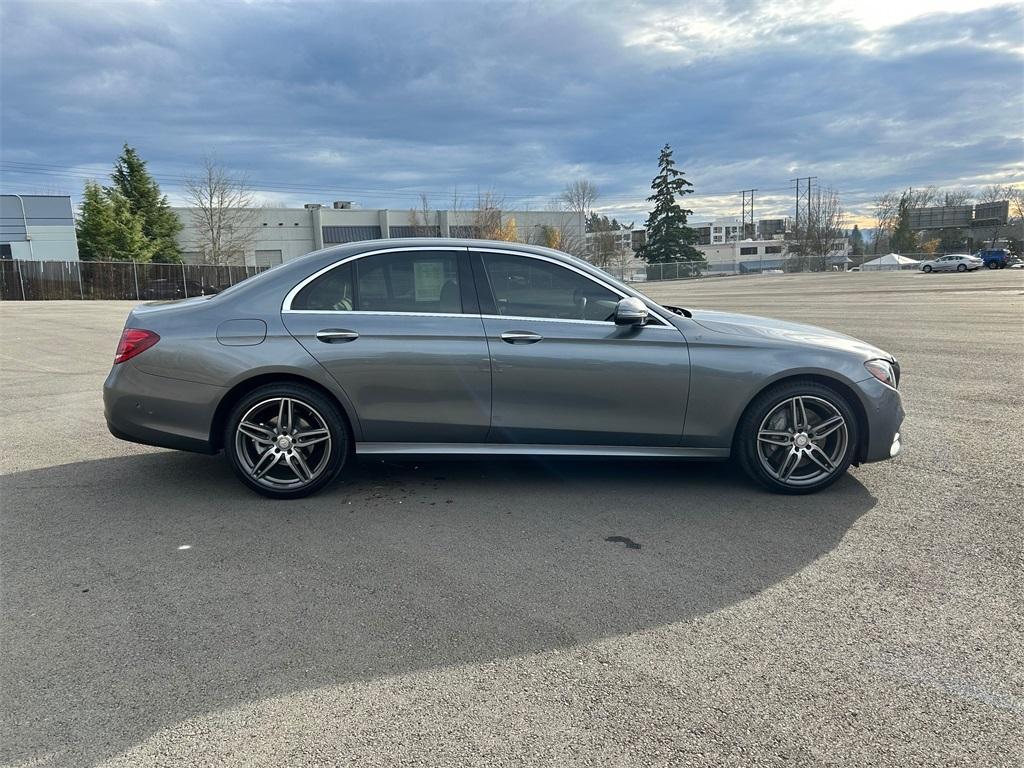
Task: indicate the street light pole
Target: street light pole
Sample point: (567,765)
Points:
(24,219)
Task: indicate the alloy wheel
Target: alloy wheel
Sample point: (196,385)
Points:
(802,440)
(283,443)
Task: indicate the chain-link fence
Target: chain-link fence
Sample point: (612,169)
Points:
(39,280)
(673,270)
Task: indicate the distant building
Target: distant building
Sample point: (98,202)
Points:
(37,228)
(718,231)
(621,239)
(774,229)
(722,257)
(283,234)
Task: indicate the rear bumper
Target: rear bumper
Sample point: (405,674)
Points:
(884,409)
(155,410)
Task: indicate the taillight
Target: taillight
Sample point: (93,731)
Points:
(133,341)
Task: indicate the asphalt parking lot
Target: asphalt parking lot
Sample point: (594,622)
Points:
(155,612)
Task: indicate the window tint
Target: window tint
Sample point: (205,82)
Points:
(410,281)
(526,287)
(331,292)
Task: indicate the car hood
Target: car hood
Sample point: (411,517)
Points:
(781,330)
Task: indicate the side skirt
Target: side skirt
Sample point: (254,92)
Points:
(501,449)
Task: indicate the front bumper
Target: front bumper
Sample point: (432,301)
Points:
(156,410)
(883,407)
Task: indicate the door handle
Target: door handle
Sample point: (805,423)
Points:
(336,336)
(521,337)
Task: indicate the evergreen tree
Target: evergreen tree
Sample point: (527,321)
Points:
(127,241)
(668,236)
(857,241)
(140,190)
(95,225)
(903,238)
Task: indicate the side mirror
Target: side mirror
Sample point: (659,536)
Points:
(630,311)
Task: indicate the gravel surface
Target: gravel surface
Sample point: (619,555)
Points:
(473,613)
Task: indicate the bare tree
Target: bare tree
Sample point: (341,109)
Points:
(488,222)
(579,197)
(821,233)
(419,218)
(223,213)
(886,211)
(951,197)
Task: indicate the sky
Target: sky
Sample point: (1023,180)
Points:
(380,102)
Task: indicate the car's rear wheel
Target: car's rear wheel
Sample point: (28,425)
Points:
(286,440)
(961,267)
(798,437)
(926,268)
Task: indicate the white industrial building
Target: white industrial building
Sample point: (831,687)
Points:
(37,228)
(276,235)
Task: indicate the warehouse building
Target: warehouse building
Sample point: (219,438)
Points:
(270,236)
(37,228)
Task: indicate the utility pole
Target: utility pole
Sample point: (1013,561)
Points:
(743,226)
(796,209)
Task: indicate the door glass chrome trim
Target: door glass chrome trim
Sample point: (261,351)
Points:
(605,323)
(358,312)
(574,268)
(286,305)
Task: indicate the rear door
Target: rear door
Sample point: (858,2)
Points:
(563,372)
(400,331)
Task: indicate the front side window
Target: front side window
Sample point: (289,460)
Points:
(409,281)
(525,287)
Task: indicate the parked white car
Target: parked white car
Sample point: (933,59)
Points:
(954,262)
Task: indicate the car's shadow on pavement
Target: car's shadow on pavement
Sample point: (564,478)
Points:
(144,590)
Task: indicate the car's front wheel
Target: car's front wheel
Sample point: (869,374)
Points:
(797,437)
(926,268)
(286,440)
(993,265)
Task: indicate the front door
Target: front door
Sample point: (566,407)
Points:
(563,372)
(400,333)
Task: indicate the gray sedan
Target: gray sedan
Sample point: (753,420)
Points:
(444,346)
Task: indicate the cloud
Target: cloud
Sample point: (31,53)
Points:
(378,102)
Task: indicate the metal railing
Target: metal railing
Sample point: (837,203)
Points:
(41,280)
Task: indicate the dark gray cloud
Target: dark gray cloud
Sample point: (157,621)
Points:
(379,101)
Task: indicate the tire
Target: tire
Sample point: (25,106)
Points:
(296,462)
(961,267)
(765,444)
(993,265)
(926,268)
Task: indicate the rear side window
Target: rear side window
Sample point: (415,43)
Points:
(331,292)
(409,281)
(526,287)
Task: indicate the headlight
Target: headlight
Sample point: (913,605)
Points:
(883,371)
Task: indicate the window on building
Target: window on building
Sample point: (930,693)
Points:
(5,251)
(525,287)
(415,231)
(333,235)
(409,281)
(269,258)
(749,251)
(773,249)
